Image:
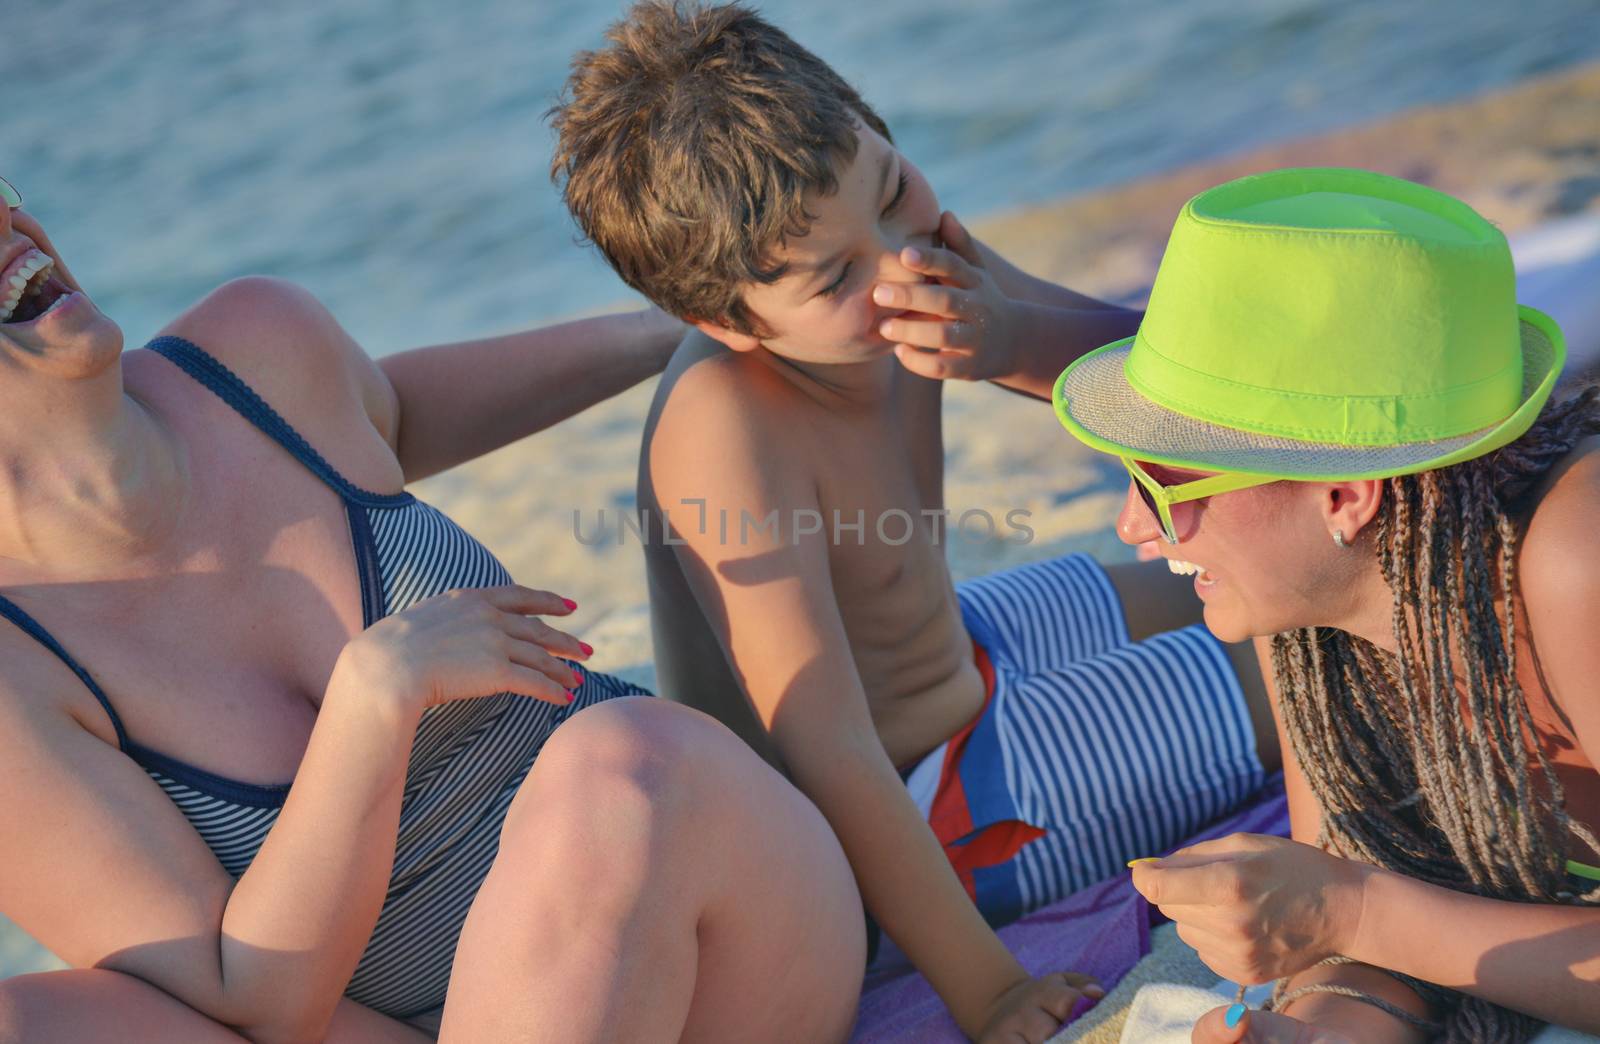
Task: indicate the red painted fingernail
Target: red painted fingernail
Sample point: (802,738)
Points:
(569,603)
(588,650)
(571,695)
(578,675)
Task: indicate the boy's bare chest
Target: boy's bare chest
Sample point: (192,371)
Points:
(882,498)
(881,495)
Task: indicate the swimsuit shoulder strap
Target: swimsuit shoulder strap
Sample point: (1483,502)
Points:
(231,389)
(33,629)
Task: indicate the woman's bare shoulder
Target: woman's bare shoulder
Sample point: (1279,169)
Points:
(283,342)
(1559,553)
(290,350)
(1559,583)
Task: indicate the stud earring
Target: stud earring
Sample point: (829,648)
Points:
(1338,538)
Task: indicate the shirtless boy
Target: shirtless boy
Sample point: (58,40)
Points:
(1049,723)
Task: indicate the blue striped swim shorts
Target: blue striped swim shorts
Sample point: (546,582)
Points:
(1090,750)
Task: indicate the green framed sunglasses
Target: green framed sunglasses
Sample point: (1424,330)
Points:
(10,194)
(1160,499)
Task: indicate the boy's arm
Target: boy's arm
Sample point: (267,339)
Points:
(986,319)
(769,596)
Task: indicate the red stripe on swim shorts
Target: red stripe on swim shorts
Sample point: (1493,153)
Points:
(968,848)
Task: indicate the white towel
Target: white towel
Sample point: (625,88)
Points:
(1164,1013)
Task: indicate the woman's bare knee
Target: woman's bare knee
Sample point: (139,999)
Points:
(641,754)
(685,846)
(635,795)
(621,733)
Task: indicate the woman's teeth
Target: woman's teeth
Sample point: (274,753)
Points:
(26,279)
(1183,568)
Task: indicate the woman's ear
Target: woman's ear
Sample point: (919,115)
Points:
(1347,507)
(739,342)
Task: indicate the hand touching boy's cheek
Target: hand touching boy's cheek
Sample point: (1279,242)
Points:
(966,329)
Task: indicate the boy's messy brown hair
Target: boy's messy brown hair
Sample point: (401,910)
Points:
(686,147)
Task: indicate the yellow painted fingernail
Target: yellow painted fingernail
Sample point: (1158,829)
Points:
(1147,859)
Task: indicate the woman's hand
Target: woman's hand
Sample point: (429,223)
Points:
(463,644)
(1261,1027)
(1257,908)
(964,326)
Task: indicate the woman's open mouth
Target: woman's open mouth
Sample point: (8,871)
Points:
(29,288)
(1202,577)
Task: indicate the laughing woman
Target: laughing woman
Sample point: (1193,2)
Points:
(268,724)
(1336,412)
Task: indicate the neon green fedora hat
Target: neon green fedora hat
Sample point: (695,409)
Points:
(1321,323)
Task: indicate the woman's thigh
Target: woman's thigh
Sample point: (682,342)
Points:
(91,1006)
(657,880)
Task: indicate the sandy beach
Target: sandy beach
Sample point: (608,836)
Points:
(1523,156)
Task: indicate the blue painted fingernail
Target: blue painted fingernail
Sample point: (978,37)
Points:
(1235,1013)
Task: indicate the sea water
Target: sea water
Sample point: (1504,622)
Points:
(393,155)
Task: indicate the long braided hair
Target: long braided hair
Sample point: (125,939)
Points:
(1423,761)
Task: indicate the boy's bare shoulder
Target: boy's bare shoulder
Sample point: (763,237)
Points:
(725,409)
(705,374)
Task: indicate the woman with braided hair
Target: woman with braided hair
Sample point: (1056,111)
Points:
(1337,416)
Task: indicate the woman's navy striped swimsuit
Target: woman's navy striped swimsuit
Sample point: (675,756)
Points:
(468,759)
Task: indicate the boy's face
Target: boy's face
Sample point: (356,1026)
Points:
(821,310)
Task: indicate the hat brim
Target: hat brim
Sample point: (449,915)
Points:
(1094,401)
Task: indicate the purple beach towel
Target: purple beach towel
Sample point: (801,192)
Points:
(1102,931)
